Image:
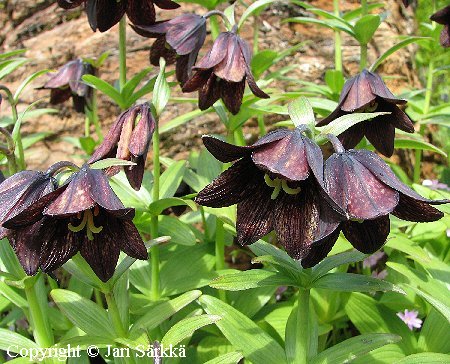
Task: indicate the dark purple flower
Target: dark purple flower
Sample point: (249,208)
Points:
(367,92)
(277,184)
(222,72)
(104,14)
(67,83)
(20,191)
(364,186)
(177,40)
(443,17)
(407,3)
(83,215)
(129,139)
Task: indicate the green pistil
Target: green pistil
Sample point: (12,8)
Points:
(88,222)
(278,184)
(369,108)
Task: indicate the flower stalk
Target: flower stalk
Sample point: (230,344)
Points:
(302,342)
(220,252)
(363,54)
(122,52)
(114,314)
(154,251)
(337,41)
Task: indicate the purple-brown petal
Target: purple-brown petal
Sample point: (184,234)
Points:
(131,241)
(69,4)
(27,247)
(217,53)
(223,151)
(160,49)
(359,94)
(104,14)
(197,81)
(186,33)
(352,136)
(232,94)
(411,209)
(382,171)
(209,93)
(135,174)
(381,133)
(255,215)
(237,183)
(442,16)
(232,67)
(142,133)
(361,194)
(369,235)
(380,89)
(319,250)
(59,244)
(285,158)
(296,219)
(396,117)
(166,4)
(141,12)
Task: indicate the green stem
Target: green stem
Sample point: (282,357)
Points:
(205,224)
(261,126)
(220,252)
(94,113)
(302,343)
(114,314)
(215,28)
(363,54)
(337,41)
(98,297)
(41,329)
(426,109)
(122,52)
(239,136)
(154,251)
(255,34)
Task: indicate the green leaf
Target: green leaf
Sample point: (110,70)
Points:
(262,61)
(341,124)
(301,113)
(229,13)
(328,23)
(10,66)
(251,279)
(179,232)
(401,143)
(434,334)
(155,208)
(106,88)
(161,92)
(26,81)
(440,306)
(334,261)
(171,179)
(229,358)
(181,120)
(350,282)
(349,349)
(131,84)
(394,49)
(109,162)
(186,327)
(12,341)
(257,5)
(83,313)
(247,337)
(88,144)
(357,12)
(12,295)
(428,358)
(370,317)
(366,27)
(159,313)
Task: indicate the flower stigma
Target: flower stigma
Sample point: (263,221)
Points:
(278,184)
(88,222)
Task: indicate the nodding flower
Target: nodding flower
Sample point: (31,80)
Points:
(443,17)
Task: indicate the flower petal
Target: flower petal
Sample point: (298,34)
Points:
(130,241)
(381,133)
(369,235)
(141,12)
(397,117)
(382,171)
(361,194)
(216,54)
(232,67)
(319,250)
(186,32)
(209,93)
(380,89)
(255,215)
(232,94)
(237,183)
(223,151)
(160,50)
(166,4)
(27,247)
(296,219)
(197,81)
(285,158)
(359,94)
(411,209)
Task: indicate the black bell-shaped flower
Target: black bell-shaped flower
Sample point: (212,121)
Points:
(443,17)
(367,92)
(277,184)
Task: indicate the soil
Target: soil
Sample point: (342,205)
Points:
(52,36)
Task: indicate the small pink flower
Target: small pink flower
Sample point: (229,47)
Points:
(410,319)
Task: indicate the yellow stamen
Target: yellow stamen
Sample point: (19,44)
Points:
(88,222)
(289,190)
(278,184)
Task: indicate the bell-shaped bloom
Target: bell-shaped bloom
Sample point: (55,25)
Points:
(367,92)
(443,17)
(364,186)
(277,184)
(83,215)
(222,72)
(67,83)
(177,40)
(129,139)
(104,14)
(20,191)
